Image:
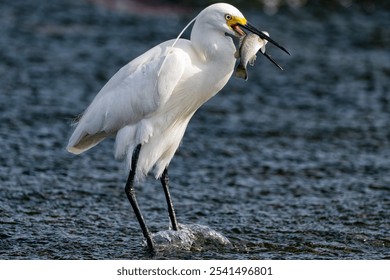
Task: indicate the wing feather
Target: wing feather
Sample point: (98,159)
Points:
(137,90)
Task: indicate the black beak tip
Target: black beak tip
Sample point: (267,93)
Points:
(272,60)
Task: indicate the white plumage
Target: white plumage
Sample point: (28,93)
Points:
(148,103)
(151,99)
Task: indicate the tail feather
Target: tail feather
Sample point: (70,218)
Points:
(85,143)
(88,133)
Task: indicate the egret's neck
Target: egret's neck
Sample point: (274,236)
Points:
(213,46)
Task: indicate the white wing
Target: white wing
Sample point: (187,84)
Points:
(135,91)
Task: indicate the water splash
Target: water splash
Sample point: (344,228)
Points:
(190,237)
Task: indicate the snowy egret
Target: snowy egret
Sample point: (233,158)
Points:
(148,103)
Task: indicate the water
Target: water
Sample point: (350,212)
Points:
(289,165)
(191,238)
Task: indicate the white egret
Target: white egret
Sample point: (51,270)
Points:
(148,103)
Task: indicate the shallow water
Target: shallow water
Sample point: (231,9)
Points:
(289,165)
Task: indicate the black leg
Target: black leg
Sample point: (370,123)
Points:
(129,189)
(172,215)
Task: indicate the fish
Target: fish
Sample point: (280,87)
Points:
(248,47)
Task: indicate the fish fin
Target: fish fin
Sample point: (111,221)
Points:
(241,72)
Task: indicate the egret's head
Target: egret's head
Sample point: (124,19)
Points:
(223,18)
(228,19)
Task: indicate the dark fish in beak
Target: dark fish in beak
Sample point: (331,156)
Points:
(249,46)
(264,36)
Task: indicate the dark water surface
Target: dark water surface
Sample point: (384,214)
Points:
(289,165)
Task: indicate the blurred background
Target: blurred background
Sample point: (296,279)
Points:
(291,164)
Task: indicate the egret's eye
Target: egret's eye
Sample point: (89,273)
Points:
(228,17)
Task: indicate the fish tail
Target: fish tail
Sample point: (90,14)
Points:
(241,72)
